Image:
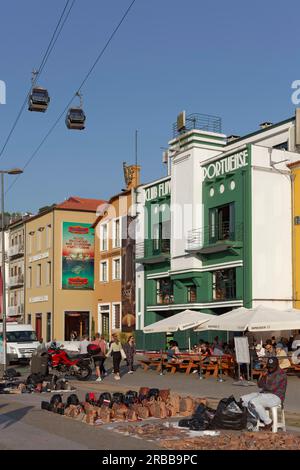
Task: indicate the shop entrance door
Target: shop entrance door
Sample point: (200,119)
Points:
(103,320)
(77,324)
(38,325)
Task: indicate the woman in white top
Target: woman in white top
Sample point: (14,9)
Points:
(117,352)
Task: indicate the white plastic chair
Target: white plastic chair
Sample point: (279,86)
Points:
(276,423)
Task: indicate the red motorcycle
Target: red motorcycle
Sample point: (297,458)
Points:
(79,367)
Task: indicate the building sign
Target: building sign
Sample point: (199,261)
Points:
(128,278)
(226,165)
(160,190)
(77,256)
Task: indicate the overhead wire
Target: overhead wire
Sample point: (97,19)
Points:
(35,152)
(45,58)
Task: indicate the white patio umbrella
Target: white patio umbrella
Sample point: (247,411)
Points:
(180,321)
(254,319)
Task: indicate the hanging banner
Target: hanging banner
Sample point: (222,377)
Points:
(77,256)
(128,277)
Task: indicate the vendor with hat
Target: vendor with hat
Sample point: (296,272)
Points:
(272,386)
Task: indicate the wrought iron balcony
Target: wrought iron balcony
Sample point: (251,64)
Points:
(214,239)
(15,310)
(152,251)
(16,250)
(16,280)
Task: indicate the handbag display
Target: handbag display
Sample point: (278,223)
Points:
(141,410)
(105,414)
(174,401)
(164,394)
(186,406)
(160,409)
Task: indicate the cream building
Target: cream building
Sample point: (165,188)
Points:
(59,295)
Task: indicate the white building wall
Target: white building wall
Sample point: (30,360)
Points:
(271,228)
(186,203)
(140,275)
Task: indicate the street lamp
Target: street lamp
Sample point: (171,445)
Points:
(13,171)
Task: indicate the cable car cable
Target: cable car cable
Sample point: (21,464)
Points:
(42,65)
(69,103)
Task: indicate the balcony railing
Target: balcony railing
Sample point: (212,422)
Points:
(215,234)
(16,250)
(16,280)
(15,310)
(164,298)
(152,248)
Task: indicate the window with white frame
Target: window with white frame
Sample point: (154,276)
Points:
(104,271)
(116,316)
(116,268)
(104,237)
(116,233)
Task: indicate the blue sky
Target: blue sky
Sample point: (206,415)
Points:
(233,59)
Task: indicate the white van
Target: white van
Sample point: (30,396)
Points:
(21,341)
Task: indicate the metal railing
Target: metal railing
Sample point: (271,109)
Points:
(16,280)
(16,250)
(15,310)
(210,235)
(154,247)
(164,298)
(205,122)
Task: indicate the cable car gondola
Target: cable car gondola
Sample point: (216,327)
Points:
(39,98)
(75,118)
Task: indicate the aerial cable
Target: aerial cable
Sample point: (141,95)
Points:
(74,95)
(39,71)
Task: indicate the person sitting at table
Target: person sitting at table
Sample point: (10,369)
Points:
(196,349)
(284,362)
(205,353)
(172,351)
(269,350)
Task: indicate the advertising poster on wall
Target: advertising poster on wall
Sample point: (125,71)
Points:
(77,256)
(128,278)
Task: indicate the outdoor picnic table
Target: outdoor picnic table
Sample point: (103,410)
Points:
(188,362)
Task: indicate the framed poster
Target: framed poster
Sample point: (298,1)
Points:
(242,350)
(78,256)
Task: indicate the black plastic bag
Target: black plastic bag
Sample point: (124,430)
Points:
(185,423)
(199,424)
(72,400)
(153,392)
(229,415)
(105,398)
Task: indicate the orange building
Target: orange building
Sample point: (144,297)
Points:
(114,260)
(59,267)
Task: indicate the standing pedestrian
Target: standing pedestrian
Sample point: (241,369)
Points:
(117,352)
(100,357)
(130,350)
(83,345)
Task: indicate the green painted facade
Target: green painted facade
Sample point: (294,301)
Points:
(227,196)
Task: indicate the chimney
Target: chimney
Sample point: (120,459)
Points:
(264,125)
(131,175)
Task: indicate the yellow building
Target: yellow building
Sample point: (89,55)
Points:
(114,261)
(295,170)
(59,266)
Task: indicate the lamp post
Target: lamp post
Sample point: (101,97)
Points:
(14,171)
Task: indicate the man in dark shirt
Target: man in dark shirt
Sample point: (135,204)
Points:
(273,387)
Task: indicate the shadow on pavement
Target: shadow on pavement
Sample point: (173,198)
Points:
(13,416)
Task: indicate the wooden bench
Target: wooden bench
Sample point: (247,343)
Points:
(152,360)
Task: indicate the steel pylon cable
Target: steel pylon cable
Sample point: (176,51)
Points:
(41,67)
(35,152)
